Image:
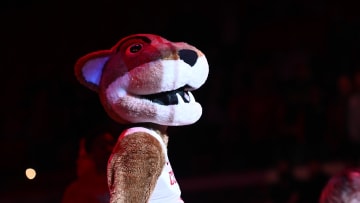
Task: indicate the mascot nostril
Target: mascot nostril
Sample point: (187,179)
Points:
(147,97)
(188,56)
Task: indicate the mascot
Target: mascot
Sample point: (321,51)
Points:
(145,82)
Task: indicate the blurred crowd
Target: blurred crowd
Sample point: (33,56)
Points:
(277,119)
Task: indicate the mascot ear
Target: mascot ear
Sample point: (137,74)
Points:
(88,69)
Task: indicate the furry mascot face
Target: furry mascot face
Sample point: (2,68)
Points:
(146,78)
(146,81)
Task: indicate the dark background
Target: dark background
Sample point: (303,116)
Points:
(269,99)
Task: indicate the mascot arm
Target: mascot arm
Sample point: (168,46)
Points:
(134,167)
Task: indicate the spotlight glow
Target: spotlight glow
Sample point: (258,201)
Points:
(30,173)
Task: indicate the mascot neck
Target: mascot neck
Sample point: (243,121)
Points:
(160,129)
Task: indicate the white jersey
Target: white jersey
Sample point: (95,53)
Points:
(167,189)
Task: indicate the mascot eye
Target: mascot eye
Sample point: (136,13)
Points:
(135,48)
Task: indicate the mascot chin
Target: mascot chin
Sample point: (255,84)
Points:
(145,82)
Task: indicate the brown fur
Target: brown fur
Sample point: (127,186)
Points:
(134,168)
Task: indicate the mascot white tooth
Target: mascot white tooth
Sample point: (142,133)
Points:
(145,81)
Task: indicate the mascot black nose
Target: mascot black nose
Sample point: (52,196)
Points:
(188,56)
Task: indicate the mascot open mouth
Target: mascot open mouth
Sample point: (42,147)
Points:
(170,97)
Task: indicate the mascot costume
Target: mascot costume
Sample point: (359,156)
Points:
(145,82)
